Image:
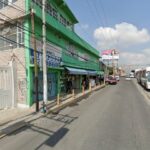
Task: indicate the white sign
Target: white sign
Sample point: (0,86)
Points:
(110,57)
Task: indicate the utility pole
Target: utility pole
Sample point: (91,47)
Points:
(35,61)
(113,66)
(44,56)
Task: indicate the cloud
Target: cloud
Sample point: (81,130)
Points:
(122,35)
(136,58)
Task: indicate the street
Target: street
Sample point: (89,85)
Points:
(114,118)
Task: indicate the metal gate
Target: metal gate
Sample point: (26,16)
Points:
(7,95)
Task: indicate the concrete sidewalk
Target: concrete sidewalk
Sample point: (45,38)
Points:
(17,118)
(9,115)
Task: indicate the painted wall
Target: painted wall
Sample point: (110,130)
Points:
(61,32)
(68,46)
(19,57)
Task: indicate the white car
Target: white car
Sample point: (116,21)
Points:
(117,78)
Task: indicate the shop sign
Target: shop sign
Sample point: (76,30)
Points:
(51,59)
(53,54)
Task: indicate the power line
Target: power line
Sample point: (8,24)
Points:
(28,29)
(12,5)
(103,22)
(23,28)
(41,36)
(22,45)
(98,23)
(106,19)
(35,34)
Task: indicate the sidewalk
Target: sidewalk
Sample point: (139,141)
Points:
(12,120)
(9,115)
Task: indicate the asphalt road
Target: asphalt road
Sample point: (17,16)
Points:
(114,118)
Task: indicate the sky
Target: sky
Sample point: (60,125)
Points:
(123,25)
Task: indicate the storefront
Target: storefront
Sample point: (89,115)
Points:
(76,76)
(53,71)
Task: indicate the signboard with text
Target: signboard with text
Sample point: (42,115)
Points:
(53,54)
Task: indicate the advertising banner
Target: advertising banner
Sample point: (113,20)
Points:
(110,55)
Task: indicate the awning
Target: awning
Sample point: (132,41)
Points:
(77,71)
(92,72)
(81,71)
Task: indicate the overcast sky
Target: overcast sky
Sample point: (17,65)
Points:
(120,24)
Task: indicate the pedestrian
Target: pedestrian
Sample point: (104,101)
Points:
(83,83)
(70,86)
(100,79)
(86,83)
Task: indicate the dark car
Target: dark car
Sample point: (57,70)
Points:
(111,80)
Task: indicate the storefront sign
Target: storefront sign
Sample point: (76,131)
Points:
(52,60)
(53,54)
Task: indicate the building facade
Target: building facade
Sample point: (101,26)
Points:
(68,55)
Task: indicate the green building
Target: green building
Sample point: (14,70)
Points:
(68,55)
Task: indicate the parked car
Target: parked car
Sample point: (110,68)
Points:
(111,80)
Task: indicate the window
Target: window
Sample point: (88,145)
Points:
(63,20)
(14,34)
(54,13)
(20,35)
(49,9)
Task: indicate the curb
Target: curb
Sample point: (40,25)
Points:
(72,100)
(18,125)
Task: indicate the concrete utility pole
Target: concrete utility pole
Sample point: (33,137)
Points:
(35,61)
(113,65)
(44,56)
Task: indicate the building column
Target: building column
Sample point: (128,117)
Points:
(29,74)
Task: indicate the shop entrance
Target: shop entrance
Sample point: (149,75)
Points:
(51,85)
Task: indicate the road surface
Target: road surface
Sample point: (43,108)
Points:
(114,118)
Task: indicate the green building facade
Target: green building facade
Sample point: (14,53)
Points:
(68,55)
